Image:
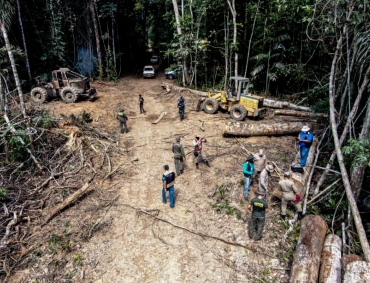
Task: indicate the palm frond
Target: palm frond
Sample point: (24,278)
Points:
(6,12)
(257,70)
(261,56)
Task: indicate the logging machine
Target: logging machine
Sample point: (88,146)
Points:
(65,84)
(239,104)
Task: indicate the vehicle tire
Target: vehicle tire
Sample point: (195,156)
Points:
(69,94)
(210,105)
(171,77)
(238,112)
(39,94)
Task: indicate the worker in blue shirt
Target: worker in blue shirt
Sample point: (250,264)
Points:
(305,138)
(248,169)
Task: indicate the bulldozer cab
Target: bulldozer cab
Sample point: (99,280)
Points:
(232,93)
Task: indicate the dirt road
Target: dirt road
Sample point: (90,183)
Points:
(134,247)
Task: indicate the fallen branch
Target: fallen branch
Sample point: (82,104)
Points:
(201,125)
(160,117)
(72,198)
(257,250)
(111,173)
(4,240)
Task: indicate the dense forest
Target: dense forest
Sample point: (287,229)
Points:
(314,53)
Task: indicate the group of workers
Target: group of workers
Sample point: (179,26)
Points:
(258,205)
(256,169)
(122,117)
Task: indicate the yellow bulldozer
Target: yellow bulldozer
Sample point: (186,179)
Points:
(239,104)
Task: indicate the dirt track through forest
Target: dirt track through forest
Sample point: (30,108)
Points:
(134,247)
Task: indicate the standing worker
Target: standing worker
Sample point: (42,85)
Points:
(264,178)
(181,106)
(122,118)
(258,206)
(248,169)
(179,156)
(259,164)
(198,150)
(305,139)
(168,180)
(141,101)
(290,194)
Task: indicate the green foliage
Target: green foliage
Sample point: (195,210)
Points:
(47,121)
(86,117)
(56,241)
(222,204)
(3,194)
(358,151)
(18,152)
(77,259)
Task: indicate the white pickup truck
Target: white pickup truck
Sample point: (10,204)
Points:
(148,72)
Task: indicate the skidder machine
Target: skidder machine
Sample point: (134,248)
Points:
(65,84)
(239,104)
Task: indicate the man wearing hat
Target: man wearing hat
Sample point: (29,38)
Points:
(248,168)
(290,194)
(179,156)
(305,138)
(168,180)
(198,150)
(258,206)
(264,178)
(259,164)
(122,118)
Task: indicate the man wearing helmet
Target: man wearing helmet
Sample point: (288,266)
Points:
(305,139)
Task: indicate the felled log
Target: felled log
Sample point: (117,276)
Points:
(306,262)
(160,117)
(299,113)
(357,272)
(347,259)
(69,200)
(300,179)
(330,269)
(170,87)
(276,129)
(282,104)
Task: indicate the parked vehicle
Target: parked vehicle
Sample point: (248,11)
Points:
(66,84)
(172,74)
(154,59)
(148,72)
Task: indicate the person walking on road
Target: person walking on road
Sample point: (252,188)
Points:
(305,139)
(248,169)
(168,180)
(258,206)
(260,162)
(264,178)
(290,195)
(181,106)
(141,101)
(179,156)
(198,150)
(122,118)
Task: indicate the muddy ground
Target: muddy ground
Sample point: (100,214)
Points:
(134,247)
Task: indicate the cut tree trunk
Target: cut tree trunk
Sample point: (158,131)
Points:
(160,117)
(306,262)
(282,104)
(69,200)
(347,259)
(299,113)
(169,87)
(250,130)
(357,272)
(330,270)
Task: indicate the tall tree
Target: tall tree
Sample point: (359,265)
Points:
(97,38)
(24,40)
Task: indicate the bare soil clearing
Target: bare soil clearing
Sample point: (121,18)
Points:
(128,246)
